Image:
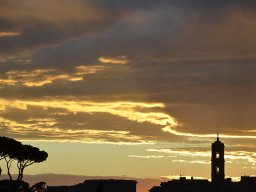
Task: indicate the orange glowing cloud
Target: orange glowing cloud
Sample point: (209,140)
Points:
(9,34)
(41,77)
(114,60)
(132,111)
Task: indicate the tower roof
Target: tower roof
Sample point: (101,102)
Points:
(218,143)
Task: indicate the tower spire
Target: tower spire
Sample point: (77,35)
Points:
(218,133)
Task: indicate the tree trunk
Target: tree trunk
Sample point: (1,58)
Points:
(9,173)
(8,166)
(18,178)
(21,174)
(19,168)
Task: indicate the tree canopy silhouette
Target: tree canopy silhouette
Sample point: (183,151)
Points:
(25,155)
(8,150)
(29,155)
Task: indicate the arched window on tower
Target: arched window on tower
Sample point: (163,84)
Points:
(217,155)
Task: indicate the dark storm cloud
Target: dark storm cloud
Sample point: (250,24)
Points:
(43,26)
(164,32)
(49,23)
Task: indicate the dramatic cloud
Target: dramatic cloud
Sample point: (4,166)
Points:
(176,54)
(42,126)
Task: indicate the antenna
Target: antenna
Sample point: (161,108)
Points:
(218,132)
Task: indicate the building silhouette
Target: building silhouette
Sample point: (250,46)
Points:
(218,181)
(98,185)
(218,162)
(110,185)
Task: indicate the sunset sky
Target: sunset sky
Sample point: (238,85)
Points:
(131,88)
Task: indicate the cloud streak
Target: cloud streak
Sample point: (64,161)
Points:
(41,77)
(118,60)
(229,155)
(8,34)
(146,156)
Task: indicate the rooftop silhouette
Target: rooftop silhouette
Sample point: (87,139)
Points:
(218,181)
(102,185)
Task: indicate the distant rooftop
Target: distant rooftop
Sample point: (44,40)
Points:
(110,181)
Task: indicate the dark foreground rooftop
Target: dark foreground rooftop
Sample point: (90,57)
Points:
(246,184)
(109,185)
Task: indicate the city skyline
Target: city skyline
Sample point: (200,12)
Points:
(100,84)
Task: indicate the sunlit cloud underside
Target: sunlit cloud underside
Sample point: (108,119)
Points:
(48,129)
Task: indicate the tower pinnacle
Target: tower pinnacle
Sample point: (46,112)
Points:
(218,133)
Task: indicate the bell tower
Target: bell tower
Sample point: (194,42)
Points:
(218,162)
